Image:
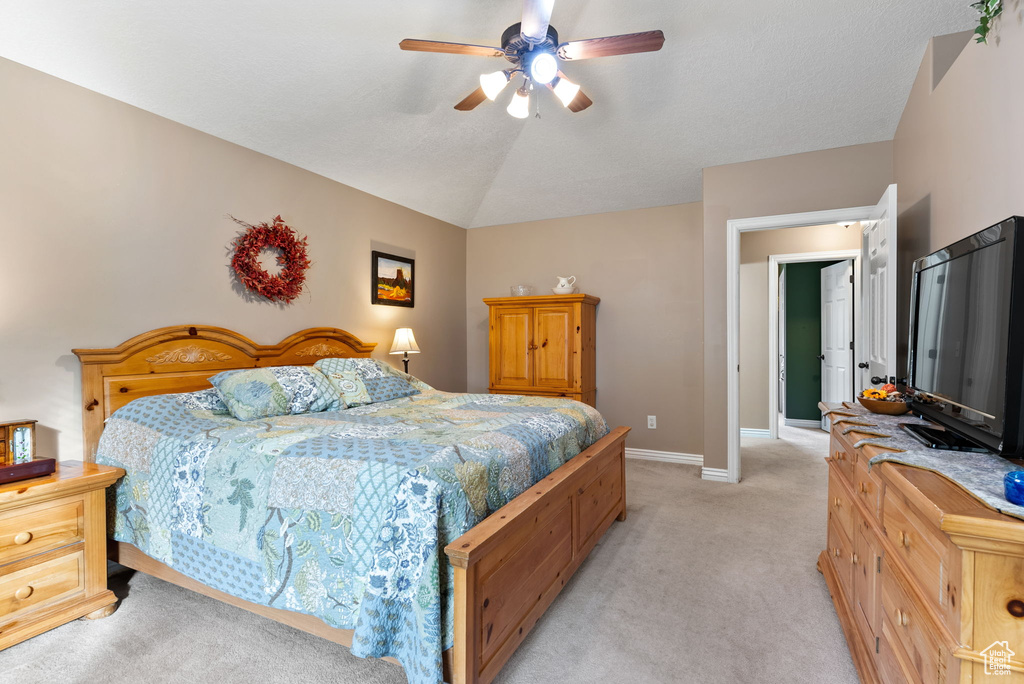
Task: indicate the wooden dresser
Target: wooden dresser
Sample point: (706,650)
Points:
(927,581)
(53,550)
(544,346)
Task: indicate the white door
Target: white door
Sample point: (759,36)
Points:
(781,408)
(836,333)
(878,282)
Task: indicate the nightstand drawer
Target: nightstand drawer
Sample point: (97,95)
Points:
(29,530)
(27,585)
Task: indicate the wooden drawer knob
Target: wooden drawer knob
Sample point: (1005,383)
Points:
(22,538)
(863,488)
(903,538)
(836,502)
(835,552)
(854,559)
(902,618)
(23,593)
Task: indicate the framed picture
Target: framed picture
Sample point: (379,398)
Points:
(391,280)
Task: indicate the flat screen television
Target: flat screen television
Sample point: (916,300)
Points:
(966,356)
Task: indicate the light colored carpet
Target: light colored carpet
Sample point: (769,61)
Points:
(705,582)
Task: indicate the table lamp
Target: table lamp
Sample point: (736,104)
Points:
(404,344)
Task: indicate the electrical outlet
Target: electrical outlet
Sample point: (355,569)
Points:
(652,422)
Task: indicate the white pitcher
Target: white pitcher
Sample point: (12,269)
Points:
(565,283)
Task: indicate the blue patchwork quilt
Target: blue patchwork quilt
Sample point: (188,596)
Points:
(343,515)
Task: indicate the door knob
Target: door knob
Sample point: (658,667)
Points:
(875,380)
(822,357)
(863,364)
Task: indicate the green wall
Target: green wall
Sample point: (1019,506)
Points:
(803,339)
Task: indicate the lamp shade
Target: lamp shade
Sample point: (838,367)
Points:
(405,342)
(565,90)
(494,83)
(519,107)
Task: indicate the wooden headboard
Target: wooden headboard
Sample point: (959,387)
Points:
(183,358)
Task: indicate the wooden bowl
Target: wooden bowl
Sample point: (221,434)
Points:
(889,408)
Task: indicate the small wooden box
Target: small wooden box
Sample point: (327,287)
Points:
(17,442)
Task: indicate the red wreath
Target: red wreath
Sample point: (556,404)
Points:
(292,258)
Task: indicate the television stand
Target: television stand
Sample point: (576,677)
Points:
(935,437)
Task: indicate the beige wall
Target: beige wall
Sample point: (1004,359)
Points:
(114,223)
(755,248)
(815,181)
(958,155)
(645,265)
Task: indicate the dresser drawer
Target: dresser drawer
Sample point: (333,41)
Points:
(842,458)
(840,505)
(867,487)
(29,530)
(911,636)
(840,553)
(26,586)
(924,549)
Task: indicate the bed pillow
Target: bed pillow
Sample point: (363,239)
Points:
(365,381)
(204,400)
(276,391)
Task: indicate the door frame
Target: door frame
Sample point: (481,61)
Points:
(734,227)
(774,261)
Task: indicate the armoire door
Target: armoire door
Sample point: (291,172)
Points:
(552,347)
(510,352)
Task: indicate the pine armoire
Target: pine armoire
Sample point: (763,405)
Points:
(544,346)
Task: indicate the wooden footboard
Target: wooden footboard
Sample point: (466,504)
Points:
(510,567)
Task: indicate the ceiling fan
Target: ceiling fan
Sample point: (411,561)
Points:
(533,49)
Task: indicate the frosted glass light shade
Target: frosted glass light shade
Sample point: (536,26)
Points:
(404,342)
(494,83)
(519,107)
(544,68)
(565,90)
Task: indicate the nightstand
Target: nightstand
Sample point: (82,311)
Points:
(53,550)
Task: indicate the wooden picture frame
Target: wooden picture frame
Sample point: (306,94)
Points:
(392,279)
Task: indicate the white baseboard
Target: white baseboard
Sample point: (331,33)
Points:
(755,432)
(714,474)
(800,423)
(666,456)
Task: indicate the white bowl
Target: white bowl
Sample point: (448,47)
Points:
(564,290)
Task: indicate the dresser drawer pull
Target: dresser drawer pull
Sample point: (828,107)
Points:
(863,488)
(836,502)
(854,559)
(902,618)
(904,539)
(22,538)
(23,593)
(835,552)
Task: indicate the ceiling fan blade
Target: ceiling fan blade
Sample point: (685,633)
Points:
(580,102)
(472,100)
(646,41)
(536,17)
(450,48)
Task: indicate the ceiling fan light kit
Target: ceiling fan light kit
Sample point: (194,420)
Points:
(564,89)
(533,49)
(494,83)
(519,107)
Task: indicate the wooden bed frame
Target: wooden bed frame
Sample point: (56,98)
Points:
(508,569)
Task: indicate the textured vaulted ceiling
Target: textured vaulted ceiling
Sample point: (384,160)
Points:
(323,85)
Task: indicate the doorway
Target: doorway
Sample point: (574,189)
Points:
(830,378)
(878,333)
